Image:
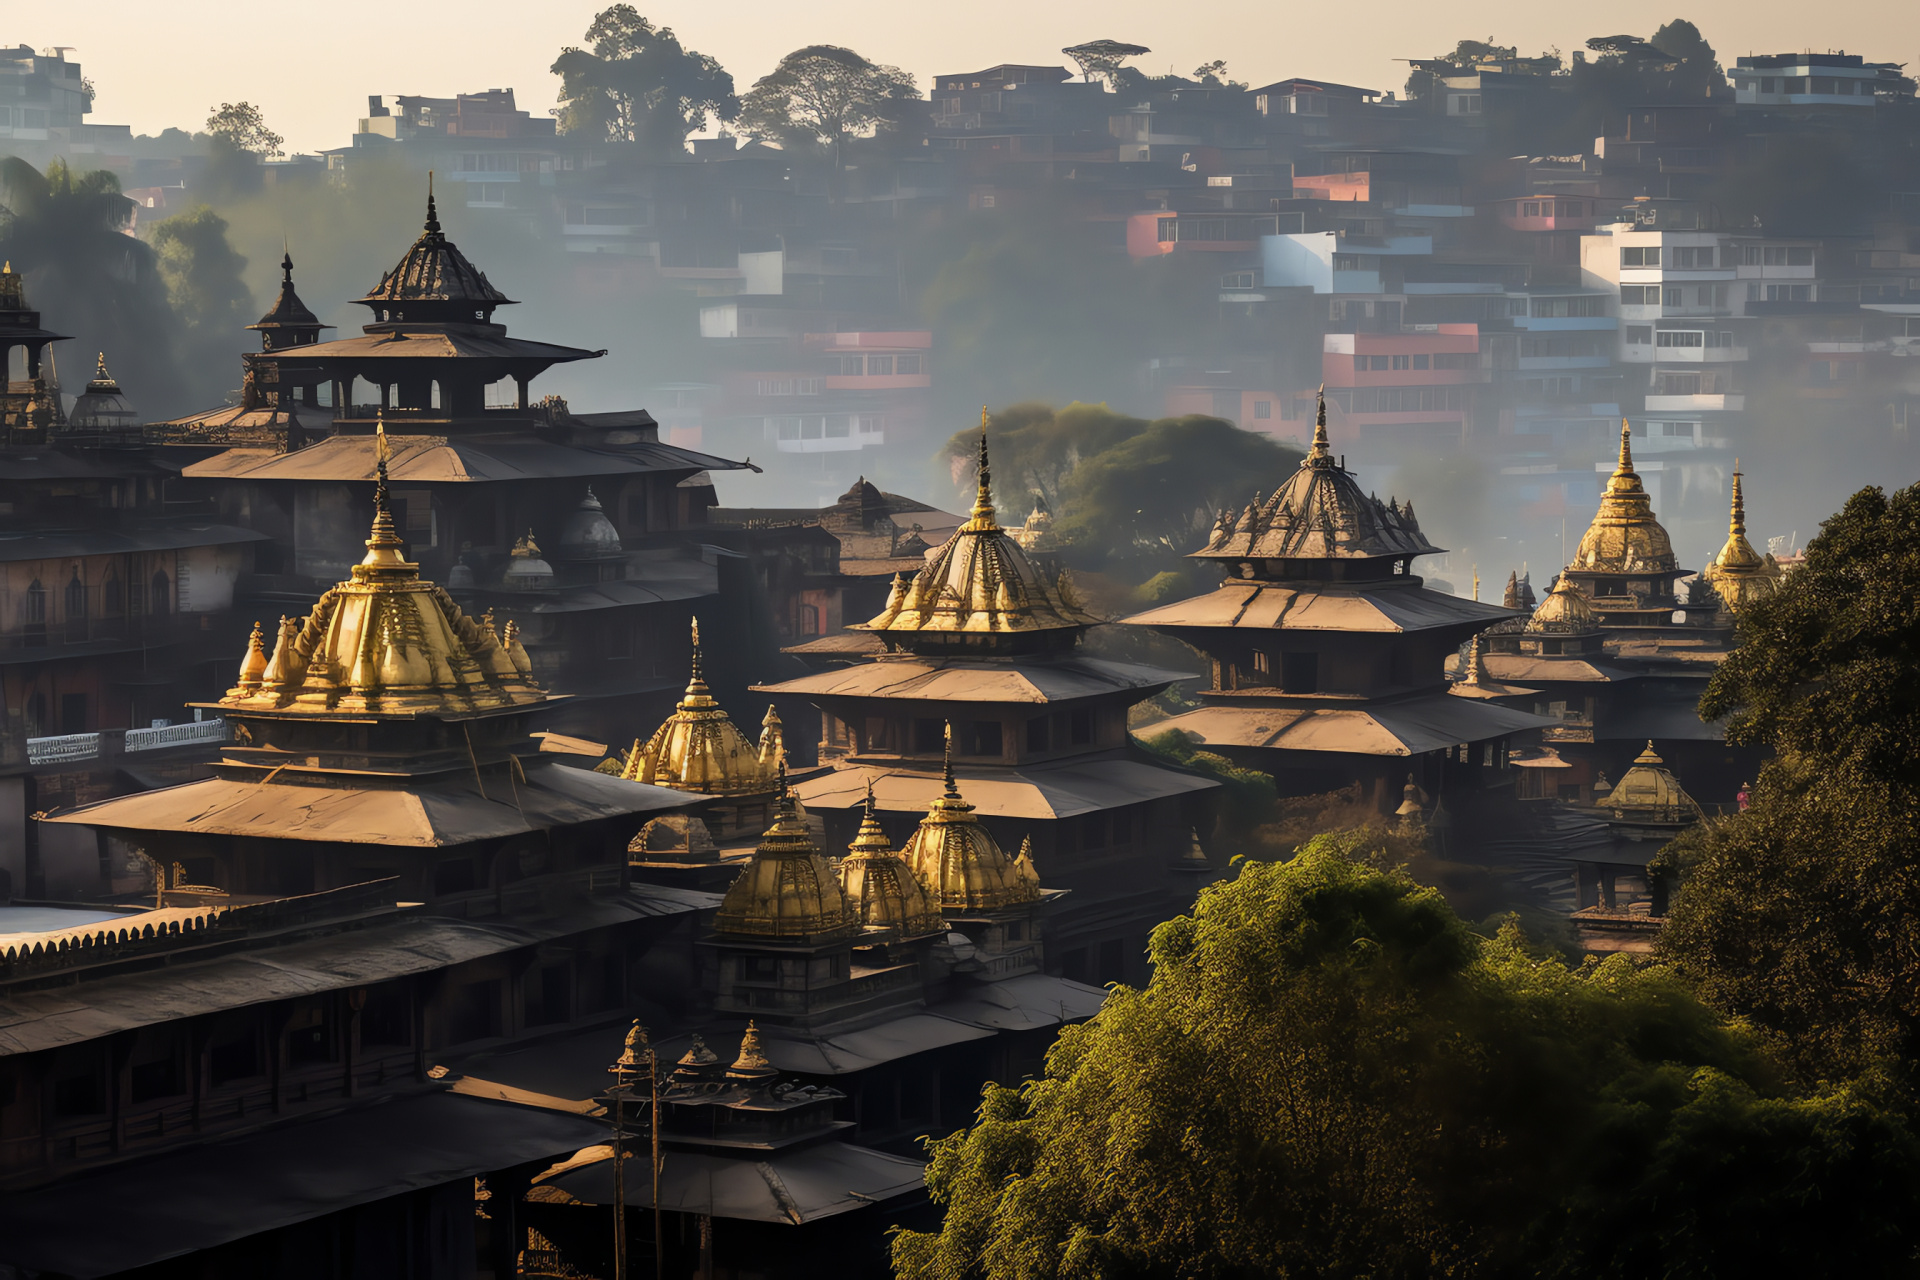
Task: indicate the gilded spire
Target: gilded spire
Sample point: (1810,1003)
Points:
(983,513)
(882,890)
(700,749)
(753,1058)
(1322,447)
(383,546)
(963,866)
(697,683)
(787,889)
(1737,519)
(1625,468)
(1625,536)
(1738,573)
(1477,673)
(953,788)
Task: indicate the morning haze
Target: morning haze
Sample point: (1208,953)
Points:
(775,643)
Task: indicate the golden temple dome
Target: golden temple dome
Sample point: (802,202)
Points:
(1649,790)
(1625,536)
(1740,574)
(1565,611)
(980,584)
(881,888)
(386,642)
(1320,513)
(698,748)
(961,862)
(788,888)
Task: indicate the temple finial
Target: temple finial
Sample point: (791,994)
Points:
(385,538)
(1321,446)
(953,788)
(699,675)
(1737,519)
(983,515)
(286,263)
(1626,449)
(433,214)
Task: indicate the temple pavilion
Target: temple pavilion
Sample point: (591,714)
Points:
(1328,655)
(1620,904)
(30,406)
(981,658)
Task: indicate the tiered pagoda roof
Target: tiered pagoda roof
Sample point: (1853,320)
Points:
(434,281)
(981,593)
(960,861)
(1565,611)
(699,749)
(1625,536)
(883,890)
(1318,514)
(788,890)
(288,315)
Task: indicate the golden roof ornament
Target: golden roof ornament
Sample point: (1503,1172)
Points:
(253,667)
(960,862)
(1565,611)
(1320,513)
(1739,574)
(697,1054)
(1650,791)
(979,590)
(753,1057)
(386,642)
(1476,665)
(787,889)
(699,749)
(1625,536)
(881,888)
(633,1055)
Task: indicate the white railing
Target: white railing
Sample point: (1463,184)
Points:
(175,735)
(67,746)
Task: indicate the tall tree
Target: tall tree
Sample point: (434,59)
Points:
(1103,58)
(1329,1075)
(1803,913)
(66,231)
(205,286)
(636,83)
(823,95)
(243,126)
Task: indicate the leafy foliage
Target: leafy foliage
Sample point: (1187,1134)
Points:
(243,126)
(636,83)
(1331,1075)
(66,231)
(1104,58)
(824,94)
(204,282)
(1803,913)
(1246,795)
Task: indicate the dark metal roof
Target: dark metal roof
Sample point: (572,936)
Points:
(288,311)
(102,542)
(433,270)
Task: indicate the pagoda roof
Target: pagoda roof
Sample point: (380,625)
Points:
(478,342)
(1403,727)
(439,814)
(433,270)
(478,459)
(1035,680)
(1625,536)
(699,748)
(288,312)
(1043,792)
(1318,514)
(58,544)
(979,587)
(1537,669)
(1386,606)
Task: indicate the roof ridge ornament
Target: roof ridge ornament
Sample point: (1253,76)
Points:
(983,516)
(1322,449)
(432,227)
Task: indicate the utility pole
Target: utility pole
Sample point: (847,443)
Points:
(638,1055)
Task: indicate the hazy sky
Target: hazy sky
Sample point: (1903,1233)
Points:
(311,65)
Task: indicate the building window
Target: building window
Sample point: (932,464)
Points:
(1259,662)
(983,738)
(1672,298)
(1300,672)
(1681,338)
(880,366)
(907,364)
(1037,734)
(35,608)
(1639,335)
(76,599)
(1403,362)
(1263,408)
(1422,362)
(809,619)
(1639,295)
(1640,256)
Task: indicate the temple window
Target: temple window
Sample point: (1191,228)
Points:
(1260,663)
(929,736)
(35,609)
(1300,672)
(235,1053)
(1080,727)
(1037,734)
(310,1033)
(387,1018)
(983,738)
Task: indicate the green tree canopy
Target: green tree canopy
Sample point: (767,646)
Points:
(823,95)
(636,83)
(1132,489)
(1803,913)
(1103,58)
(66,231)
(243,126)
(1331,1076)
(207,290)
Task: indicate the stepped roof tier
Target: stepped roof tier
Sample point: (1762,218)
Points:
(1399,727)
(788,889)
(961,862)
(1625,536)
(881,888)
(981,593)
(1318,515)
(1740,574)
(103,406)
(699,749)
(1477,681)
